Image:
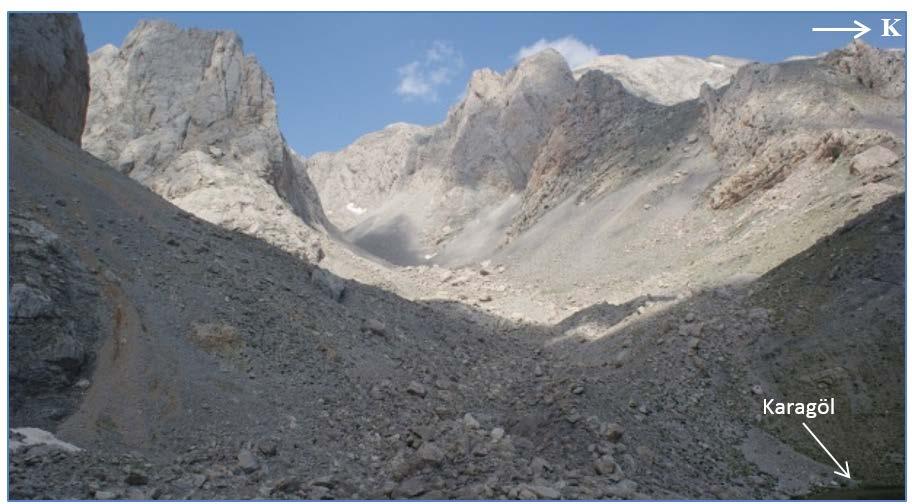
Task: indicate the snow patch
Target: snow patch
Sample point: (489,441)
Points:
(355,209)
(29,436)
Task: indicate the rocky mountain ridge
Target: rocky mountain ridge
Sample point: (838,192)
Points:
(656,273)
(432,181)
(665,80)
(373,164)
(192,117)
(367,396)
(595,138)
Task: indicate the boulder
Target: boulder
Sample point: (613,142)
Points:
(27,302)
(612,432)
(430,453)
(544,492)
(870,163)
(622,490)
(54,324)
(412,487)
(374,326)
(247,461)
(605,465)
(416,389)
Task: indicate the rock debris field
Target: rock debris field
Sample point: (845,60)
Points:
(584,283)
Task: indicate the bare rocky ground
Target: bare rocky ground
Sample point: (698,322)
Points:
(208,388)
(609,332)
(229,373)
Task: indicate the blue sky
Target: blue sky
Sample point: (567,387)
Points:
(341,75)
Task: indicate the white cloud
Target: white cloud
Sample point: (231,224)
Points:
(421,78)
(576,52)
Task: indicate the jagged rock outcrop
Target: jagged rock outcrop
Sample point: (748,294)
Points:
(564,139)
(433,181)
(881,70)
(773,118)
(665,79)
(54,323)
(603,137)
(192,117)
(494,133)
(49,70)
(428,186)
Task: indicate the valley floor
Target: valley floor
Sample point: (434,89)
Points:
(228,369)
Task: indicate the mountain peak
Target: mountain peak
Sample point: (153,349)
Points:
(546,57)
(162,31)
(188,114)
(665,80)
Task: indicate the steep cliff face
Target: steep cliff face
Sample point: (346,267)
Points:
(494,134)
(445,189)
(603,137)
(49,71)
(189,115)
(433,181)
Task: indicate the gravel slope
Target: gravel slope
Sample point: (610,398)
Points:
(204,387)
(612,310)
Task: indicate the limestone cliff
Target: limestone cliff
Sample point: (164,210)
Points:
(192,117)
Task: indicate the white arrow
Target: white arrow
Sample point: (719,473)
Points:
(862,29)
(841,472)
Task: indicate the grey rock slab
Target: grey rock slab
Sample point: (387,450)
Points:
(49,70)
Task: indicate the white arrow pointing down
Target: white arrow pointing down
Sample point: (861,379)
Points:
(841,472)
